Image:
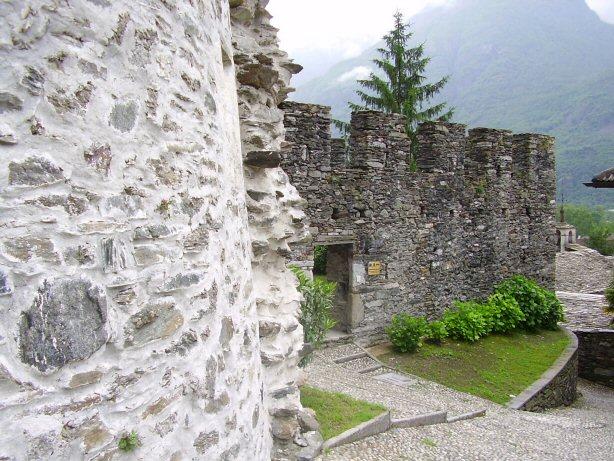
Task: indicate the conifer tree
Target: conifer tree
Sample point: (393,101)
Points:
(402,88)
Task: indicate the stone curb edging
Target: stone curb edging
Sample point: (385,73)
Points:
(384,422)
(374,426)
(421,420)
(523,400)
(466,416)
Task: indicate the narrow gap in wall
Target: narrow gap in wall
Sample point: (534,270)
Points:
(332,263)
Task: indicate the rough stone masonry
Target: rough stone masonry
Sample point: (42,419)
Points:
(479,208)
(144,233)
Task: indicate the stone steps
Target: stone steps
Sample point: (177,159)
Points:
(349,358)
(354,358)
(337,338)
(370,369)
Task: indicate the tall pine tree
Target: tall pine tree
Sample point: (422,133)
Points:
(402,88)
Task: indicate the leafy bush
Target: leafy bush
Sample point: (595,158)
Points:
(540,307)
(466,321)
(502,313)
(318,295)
(609,295)
(406,332)
(554,311)
(319,259)
(436,332)
(129,442)
(598,236)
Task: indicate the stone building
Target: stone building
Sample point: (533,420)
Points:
(145,232)
(566,234)
(479,208)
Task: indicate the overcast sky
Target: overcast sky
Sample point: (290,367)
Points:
(337,29)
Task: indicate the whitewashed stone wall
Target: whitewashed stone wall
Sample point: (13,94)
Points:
(126,286)
(276,218)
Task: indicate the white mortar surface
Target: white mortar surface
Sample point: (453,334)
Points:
(136,103)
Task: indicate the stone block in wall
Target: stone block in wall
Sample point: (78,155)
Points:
(66,323)
(154,321)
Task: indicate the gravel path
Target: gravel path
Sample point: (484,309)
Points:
(583,431)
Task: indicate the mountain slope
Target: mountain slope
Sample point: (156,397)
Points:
(527,65)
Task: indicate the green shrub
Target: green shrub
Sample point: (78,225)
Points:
(598,236)
(129,442)
(436,332)
(554,311)
(540,307)
(406,332)
(466,321)
(318,295)
(320,253)
(609,295)
(502,313)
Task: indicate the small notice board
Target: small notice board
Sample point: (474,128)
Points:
(374,268)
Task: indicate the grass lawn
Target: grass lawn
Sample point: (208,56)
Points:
(336,412)
(496,367)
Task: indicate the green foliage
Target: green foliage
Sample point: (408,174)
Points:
(518,303)
(502,313)
(598,239)
(319,259)
(466,321)
(428,442)
(342,127)
(401,87)
(318,295)
(436,332)
(337,412)
(595,222)
(554,311)
(480,187)
(540,307)
(413,165)
(609,295)
(129,442)
(405,332)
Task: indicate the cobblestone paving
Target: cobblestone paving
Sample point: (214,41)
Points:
(583,431)
(584,271)
(584,310)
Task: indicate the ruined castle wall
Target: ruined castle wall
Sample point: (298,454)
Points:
(534,189)
(467,219)
(127,293)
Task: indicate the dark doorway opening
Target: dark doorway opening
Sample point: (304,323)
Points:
(333,262)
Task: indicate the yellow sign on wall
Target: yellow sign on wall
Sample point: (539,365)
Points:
(374,268)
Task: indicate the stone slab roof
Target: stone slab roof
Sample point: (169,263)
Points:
(604,180)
